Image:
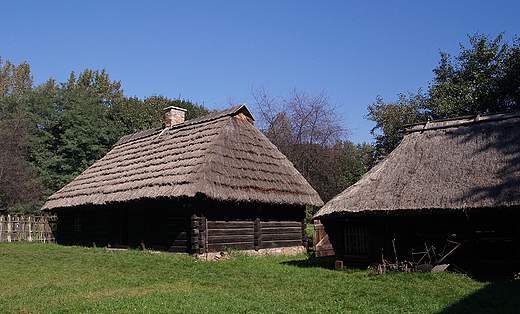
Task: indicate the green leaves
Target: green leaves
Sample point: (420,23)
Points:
(483,78)
(53,132)
(390,119)
(480,79)
(14,80)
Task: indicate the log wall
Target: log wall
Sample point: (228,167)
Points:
(254,235)
(192,225)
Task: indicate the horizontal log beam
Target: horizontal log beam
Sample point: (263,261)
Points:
(230,224)
(230,239)
(281,230)
(278,224)
(240,231)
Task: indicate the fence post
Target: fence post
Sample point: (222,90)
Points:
(31,228)
(1,228)
(29,236)
(9,228)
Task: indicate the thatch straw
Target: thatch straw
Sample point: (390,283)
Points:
(221,155)
(472,162)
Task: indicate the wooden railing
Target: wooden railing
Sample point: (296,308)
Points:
(25,228)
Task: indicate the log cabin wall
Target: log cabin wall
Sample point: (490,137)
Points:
(83,226)
(251,226)
(157,224)
(179,225)
(148,224)
(490,235)
(254,235)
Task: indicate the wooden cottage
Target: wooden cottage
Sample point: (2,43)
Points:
(455,176)
(203,185)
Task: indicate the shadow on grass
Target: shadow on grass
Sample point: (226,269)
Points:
(500,295)
(312,261)
(497,297)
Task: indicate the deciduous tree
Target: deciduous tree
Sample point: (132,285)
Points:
(390,119)
(306,128)
(480,79)
(483,78)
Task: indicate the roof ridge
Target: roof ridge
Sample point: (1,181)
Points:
(206,118)
(460,121)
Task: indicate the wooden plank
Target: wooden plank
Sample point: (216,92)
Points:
(281,237)
(321,244)
(230,224)
(279,230)
(230,239)
(324,253)
(180,242)
(240,231)
(278,224)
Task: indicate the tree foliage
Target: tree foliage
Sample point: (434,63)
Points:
(132,114)
(14,80)
(480,79)
(390,119)
(356,161)
(71,131)
(20,187)
(299,118)
(53,132)
(483,78)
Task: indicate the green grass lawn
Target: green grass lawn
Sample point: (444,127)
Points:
(43,278)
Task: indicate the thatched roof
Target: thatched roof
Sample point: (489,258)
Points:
(221,155)
(469,162)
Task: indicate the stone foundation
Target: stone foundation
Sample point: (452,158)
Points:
(289,251)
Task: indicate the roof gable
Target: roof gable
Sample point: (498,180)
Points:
(221,155)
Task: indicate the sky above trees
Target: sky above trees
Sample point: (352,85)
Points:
(214,53)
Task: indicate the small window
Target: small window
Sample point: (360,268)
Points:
(356,240)
(77,223)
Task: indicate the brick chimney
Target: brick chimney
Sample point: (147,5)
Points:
(173,115)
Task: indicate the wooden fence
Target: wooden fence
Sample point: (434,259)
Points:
(25,228)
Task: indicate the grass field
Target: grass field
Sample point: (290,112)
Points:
(43,278)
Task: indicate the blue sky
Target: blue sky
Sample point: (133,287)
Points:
(210,51)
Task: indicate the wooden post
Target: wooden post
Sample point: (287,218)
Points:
(257,233)
(202,234)
(304,232)
(194,232)
(29,229)
(9,228)
(1,228)
(198,234)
